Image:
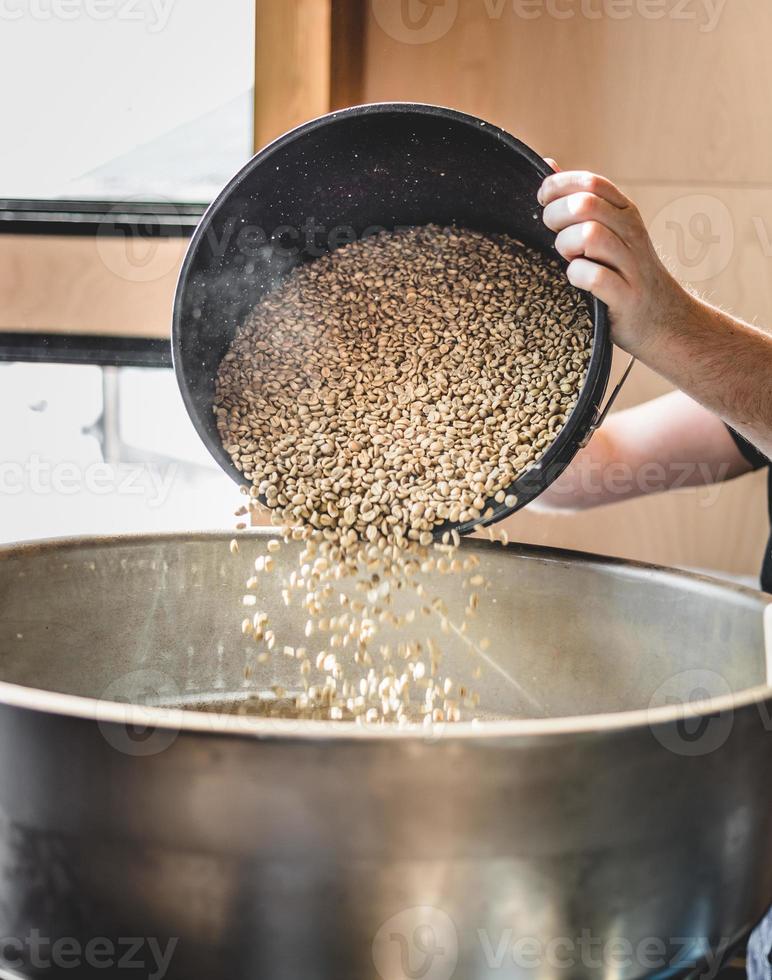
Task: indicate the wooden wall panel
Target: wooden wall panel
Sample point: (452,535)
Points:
(105,285)
(642,98)
(678,115)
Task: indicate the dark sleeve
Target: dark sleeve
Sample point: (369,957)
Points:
(756,458)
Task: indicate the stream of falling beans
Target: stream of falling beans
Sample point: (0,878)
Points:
(346,671)
(393,385)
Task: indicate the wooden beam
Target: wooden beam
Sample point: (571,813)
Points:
(292,64)
(347,67)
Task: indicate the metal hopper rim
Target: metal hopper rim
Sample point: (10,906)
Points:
(187,720)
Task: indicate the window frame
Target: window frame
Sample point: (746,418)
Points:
(70,218)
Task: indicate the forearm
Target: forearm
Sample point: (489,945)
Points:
(722,362)
(665,444)
(583,484)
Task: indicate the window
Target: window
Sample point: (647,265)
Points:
(147,100)
(123,119)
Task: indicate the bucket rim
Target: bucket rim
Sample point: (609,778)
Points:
(585,413)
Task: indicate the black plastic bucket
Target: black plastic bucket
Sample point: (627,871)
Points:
(342,176)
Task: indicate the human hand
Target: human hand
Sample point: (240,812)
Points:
(601,234)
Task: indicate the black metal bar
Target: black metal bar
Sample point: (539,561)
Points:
(148,219)
(85,349)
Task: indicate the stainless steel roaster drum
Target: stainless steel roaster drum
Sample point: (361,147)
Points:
(616,821)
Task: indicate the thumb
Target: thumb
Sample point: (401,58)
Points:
(552,164)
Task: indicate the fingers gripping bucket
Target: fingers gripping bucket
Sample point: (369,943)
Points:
(334,180)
